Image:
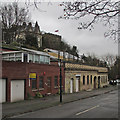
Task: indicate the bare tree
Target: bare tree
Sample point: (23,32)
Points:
(89,12)
(110,59)
(93,11)
(12,17)
(12,14)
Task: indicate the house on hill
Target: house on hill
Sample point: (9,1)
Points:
(30,30)
(19,35)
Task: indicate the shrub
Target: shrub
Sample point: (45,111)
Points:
(38,95)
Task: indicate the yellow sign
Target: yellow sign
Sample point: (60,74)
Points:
(32,75)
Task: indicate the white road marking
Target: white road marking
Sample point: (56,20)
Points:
(87,110)
(22,114)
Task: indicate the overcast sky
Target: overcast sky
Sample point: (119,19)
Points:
(87,42)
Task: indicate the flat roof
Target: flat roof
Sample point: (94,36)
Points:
(35,52)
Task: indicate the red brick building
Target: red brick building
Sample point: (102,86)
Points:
(44,81)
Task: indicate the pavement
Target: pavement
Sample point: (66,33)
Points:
(26,106)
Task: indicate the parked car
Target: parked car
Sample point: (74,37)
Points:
(113,82)
(118,81)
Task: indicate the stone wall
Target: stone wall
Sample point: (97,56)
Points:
(72,71)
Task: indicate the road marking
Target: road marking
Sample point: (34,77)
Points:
(87,110)
(22,114)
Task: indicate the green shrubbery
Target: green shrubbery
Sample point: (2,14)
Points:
(38,95)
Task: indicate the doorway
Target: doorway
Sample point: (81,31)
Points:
(98,81)
(77,83)
(95,82)
(71,85)
(49,85)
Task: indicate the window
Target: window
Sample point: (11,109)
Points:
(87,79)
(46,59)
(91,78)
(83,80)
(42,59)
(36,59)
(34,83)
(11,55)
(30,58)
(18,59)
(25,57)
(18,54)
(12,59)
(41,84)
(49,81)
(7,59)
(5,55)
(56,81)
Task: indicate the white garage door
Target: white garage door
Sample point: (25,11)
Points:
(17,90)
(2,90)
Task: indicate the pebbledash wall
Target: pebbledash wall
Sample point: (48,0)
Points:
(21,71)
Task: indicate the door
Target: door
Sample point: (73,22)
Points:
(95,82)
(71,85)
(49,84)
(77,84)
(2,90)
(99,82)
(17,90)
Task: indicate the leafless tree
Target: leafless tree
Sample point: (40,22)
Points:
(12,16)
(109,58)
(93,11)
(89,12)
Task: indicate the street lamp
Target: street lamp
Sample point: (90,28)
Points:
(59,63)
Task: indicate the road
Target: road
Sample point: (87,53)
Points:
(102,106)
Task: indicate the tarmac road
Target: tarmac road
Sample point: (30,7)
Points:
(102,106)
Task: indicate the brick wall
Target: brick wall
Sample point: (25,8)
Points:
(19,70)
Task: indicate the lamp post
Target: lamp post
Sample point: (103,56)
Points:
(60,81)
(59,63)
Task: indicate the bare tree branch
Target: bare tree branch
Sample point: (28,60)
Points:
(99,10)
(12,18)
